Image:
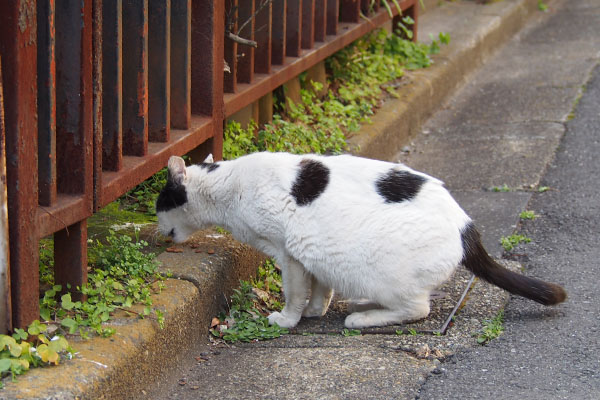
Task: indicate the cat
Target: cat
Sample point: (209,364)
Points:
(364,228)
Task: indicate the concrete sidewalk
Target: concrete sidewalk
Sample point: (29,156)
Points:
(143,361)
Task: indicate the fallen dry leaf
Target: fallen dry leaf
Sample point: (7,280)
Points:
(215,321)
(174,250)
(423,351)
(261,294)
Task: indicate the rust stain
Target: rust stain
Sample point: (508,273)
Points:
(142,93)
(27,19)
(26,15)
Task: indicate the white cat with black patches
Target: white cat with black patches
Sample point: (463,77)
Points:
(365,228)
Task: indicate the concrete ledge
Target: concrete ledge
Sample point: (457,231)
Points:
(476,31)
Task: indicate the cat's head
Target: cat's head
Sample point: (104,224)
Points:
(177,204)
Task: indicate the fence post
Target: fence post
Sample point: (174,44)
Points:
(18,46)
(74,129)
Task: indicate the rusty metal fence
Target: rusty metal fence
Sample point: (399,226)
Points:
(99,94)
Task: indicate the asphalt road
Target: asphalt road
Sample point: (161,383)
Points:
(548,353)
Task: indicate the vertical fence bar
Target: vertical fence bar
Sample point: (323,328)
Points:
(333,12)
(293,28)
(320,20)
(97,103)
(349,10)
(75,119)
(46,75)
(231,47)
(159,73)
(135,77)
(279,11)
(19,68)
(74,88)
(208,33)
(245,53)
(181,24)
(262,35)
(112,85)
(308,24)
(5,317)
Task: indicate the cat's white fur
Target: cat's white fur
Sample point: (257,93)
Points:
(348,239)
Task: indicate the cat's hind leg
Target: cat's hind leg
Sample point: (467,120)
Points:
(320,298)
(410,310)
(296,286)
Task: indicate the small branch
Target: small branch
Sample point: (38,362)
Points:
(241,40)
(128,310)
(258,9)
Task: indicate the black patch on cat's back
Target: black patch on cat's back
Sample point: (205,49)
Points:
(209,166)
(171,196)
(398,186)
(311,181)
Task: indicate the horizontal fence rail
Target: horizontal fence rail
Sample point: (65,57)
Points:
(99,94)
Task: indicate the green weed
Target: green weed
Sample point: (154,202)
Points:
(503,188)
(33,347)
(121,275)
(250,304)
(358,79)
(410,331)
(143,197)
(509,242)
(528,215)
(492,329)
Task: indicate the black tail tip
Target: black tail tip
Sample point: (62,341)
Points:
(556,295)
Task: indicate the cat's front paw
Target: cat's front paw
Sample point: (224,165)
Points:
(357,320)
(281,320)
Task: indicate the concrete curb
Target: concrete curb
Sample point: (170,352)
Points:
(208,268)
(140,352)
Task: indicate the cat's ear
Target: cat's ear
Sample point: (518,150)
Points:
(176,168)
(209,159)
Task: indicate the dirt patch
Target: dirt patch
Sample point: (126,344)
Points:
(443,305)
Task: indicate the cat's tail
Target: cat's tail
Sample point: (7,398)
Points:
(477,260)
